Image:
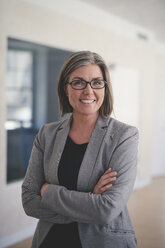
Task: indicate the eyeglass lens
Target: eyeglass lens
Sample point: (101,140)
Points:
(81,84)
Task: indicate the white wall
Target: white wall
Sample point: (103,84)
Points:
(125,83)
(158,148)
(69,28)
(15,225)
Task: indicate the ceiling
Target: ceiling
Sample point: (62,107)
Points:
(149,14)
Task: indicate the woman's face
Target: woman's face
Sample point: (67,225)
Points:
(86,101)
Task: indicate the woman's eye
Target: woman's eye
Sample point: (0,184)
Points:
(77,82)
(96,82)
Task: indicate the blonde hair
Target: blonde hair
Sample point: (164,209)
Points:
(71,64)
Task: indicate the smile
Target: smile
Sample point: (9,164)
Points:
(87,101)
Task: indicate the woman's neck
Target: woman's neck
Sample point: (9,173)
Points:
(82,127)
(83,122)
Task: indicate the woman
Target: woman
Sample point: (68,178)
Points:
(71,183)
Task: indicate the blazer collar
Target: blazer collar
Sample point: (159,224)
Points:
(100,124)
(91,154)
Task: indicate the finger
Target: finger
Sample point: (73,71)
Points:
(114,173)
(106,181)
(111,174)
(103,189)
(107,171)
(102,183)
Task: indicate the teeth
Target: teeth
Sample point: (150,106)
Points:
(87,101)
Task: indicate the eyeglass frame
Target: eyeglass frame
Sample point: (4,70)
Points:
(87,82)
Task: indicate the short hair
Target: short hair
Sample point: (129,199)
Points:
(76,60)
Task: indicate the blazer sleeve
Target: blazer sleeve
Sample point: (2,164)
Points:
(100,208)
(33,181)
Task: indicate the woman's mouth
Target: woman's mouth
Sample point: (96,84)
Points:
(87,101)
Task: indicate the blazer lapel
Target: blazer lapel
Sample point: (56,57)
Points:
(91,154)
(59,144)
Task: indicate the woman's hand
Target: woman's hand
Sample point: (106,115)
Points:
(104,181)
(43,188)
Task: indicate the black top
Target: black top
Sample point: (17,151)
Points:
(66,235)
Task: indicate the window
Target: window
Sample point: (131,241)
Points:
(19,96)
(19,89)
(31,96)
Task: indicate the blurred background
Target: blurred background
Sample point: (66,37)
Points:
(36,36)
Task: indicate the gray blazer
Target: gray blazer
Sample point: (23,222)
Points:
(103,219)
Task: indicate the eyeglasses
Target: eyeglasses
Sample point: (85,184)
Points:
(80,84)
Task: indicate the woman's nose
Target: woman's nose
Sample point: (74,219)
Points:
(88,89)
